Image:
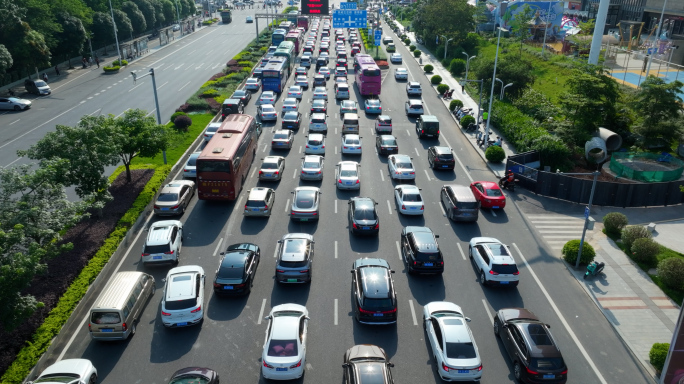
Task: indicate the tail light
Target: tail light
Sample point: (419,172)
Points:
(165,313)
(394,310)
(366,312)
(323,146)
(89,330)
(565,372)
(265,207)
(303,172)
(304,271)
(240,285)
(354,226)
(145,254)
(156,206)
(169,252)
(516,273)
(377,226)
(531,372)
(275,173)
(307,145)
(480,368)
(217,285)
(413,173)
(357,181)
(267,365)
(422,207)
(246,207)
(345,147)
(493,273)
(446,368)
(422,131)
(403,206)
(261,172)
(175,206)
(438,134)
(186,170)
(196,309)
(280,270)
(124,326)
(339,181)
(299,364)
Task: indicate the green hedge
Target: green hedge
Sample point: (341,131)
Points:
(658,354)
(571,249)
(111,69)
(29,355)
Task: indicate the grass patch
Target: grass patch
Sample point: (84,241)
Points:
(404,23)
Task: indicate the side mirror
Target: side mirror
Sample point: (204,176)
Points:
(222,253)
(391,365)
(548,326)
(420,189)
(376,203)
(352,271)
(436,236)
(467,319)
(392,271)
(292,192)
(267,317)
(280,241)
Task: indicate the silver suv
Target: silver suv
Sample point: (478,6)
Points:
(163,244)
(260,202)
(295,258)
(494,262)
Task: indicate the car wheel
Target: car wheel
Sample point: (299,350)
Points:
(17,108)
(133,328)
(517,371)
(154,290)
(483,281)
(470,252)
(93,379)
(496,328)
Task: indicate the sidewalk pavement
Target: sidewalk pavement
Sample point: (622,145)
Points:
(637,309)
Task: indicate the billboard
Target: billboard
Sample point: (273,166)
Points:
(543,12)
(315,7)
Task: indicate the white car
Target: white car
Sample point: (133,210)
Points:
(325,71)
(413,89)
(252,84)
(267,112)
(414,107)
(320,93)
(315,144)
(295,91)
(351,144)
(401,167)
(408,199)
(373,106)
(401,74)
(396,58)
(494,262)
(312,168)
(68,371)
(452,343)
(348,106)
(210,130)
(302,81)
(284,355)
(14,103)
(190,169)
(267,97)
(347,175)
(183,301)
(290,104)
(340,71)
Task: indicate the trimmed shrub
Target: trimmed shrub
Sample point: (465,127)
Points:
(210,93)
(246,63)
(645,250)
(633,232)
(571,249)
(182,122)
(614,222)
(436,79)
(116,63)
(457,67)
(412,47)
(407,41)
(495,154)
(455,103)
(176,114)
(428,68)
(111,69)
(671,272)
(553,152)
(417,53)
(657,355)
(467,120)
(442,88)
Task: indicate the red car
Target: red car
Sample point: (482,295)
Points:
(488,194)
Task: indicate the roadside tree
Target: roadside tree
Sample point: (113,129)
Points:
(169,10)
(520,25)
(148,12)
(103,29)
(72,37)
(659,107)
(137,18)
(138,135)
(123,24)
(451,18)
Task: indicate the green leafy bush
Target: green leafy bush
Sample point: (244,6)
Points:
(176,114)
(571,249)
(246,63)
(633,232)
(210,93)
(407,41)
(519,129)
(428,68)
(495,154)
(454,104)
(417,53)
(442,88)
(111,69)
(436,79)
(613,222)
(412,47)
(658,354)
(552,152)
(645,250)
(116,63)
(182,122)
(671,272)
(457,67)
(466,120)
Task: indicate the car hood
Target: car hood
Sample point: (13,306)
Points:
(80,367)
(365,350)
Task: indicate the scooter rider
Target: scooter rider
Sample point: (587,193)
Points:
(508,179)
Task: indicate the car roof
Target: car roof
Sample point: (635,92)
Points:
(415,102)
(285,328)
(348,164)
(414,83)
(455,329)
(375,281)
(407,188)
(538,338)
(160,231)
(180,282)
(425,239)
(517,313)
(236,258)
(313,158)
(363,202)
(442,149)
(402,157)
(272,159)
(351,136)
(387,137)
(283,131)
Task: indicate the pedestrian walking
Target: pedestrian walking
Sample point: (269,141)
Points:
(90,61)
(97,61)
(45,77)
(84,62)
(57,70)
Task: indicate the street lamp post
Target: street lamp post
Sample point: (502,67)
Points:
(446,46)
(156,99)
(504,90)
(586,211)
(491,94)
(116,38)
(468,58)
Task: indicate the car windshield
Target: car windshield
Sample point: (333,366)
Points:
(290,116)
(460,350)
(498,249)
(280,136)
(268,109)
(364,214)
(167,197)
(156,249)
(269,166)
(290,103)
(373,103)
(389,142)
(192,161)
(296,246)
(238,94)
(40,83)
(191,378)
(505,269)
(402,165)
(412,197)
(371,72)
(350,141)
(176,305)
(311,164)
(294,89)
(493,192)
(315,142)
(305,199)
(282,348)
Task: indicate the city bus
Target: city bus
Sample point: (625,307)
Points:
(274,75)
(287,49)
(224,163)
(368,77)
(278,36)
(297,38)
(287,25)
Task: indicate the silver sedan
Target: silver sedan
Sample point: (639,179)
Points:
(347,175)
(174,197)
(312,168)
(15,104)
(305,204)
(272,168)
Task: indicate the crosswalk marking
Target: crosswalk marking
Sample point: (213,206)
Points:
(556,230)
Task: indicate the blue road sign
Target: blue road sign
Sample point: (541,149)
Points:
(347,5)
(377,42)
(586,213)
(378,34)
(349,19)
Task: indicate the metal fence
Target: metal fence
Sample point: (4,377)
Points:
(564,187)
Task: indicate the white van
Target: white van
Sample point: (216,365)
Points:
(350,123)
(341,90)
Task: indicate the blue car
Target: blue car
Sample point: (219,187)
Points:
(373,106)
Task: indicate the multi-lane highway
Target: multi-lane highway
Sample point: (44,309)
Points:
(230,340)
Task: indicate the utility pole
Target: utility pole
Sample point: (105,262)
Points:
(116,38)
(587,210)
(598,31)
(467,66)
(156,99)
(446,42)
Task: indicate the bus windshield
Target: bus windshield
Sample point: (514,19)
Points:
(213,166)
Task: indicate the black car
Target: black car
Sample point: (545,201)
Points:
(195,375)
(363,217)
(237,268)
(420,251)
(374,298)
(292,120)
(319,81)
(242,95)
(386,144)
(536,357)
(441,158)
(366,364)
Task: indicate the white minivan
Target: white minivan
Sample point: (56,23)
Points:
(341,91)
(350,123)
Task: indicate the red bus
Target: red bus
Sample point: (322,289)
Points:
(297,38)
(368,76)
(223,164)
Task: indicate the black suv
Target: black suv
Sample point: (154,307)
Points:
(237,268)
(530,346)
(363,217)
(441,158)
(420,251)
(375,301)
(366,364)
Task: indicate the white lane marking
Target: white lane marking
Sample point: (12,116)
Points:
(218,246)
(125,110)
(489,313)
(162,85)
(427,174)
(336,210)
(17,159)
(300,149)
(94,112)
(443,211)
(459,160)
(416,149)
(185,85)
(141,83)
(275,252)
(493,213)
(261,312)
(17,120)
(200,66)
(264,150)
(461,250)
(376,150)
(389,207)
(399,250)
(408,133)
(151,112)
(294,176)
(336,150)
(335,311)
(562,319)
(253,172)
(413,313)
(336,130)
(382,175)
(336,249)
(286,204)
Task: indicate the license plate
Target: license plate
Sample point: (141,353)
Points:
(255,209)
(156,257)
(348,182)
(165,209)
(412,207)
(227,287)
(505,282)
(181,324)
(496,206)
(377,314)
(107,330)
(291,280)
(445,166)
(304,219)
(315,148)
(405,174)
(549,376)
(466,214)
(365,227)
(281,369)
(464,371)
(428,264)
(281,143)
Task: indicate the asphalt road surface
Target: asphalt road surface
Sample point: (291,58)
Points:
(231,338)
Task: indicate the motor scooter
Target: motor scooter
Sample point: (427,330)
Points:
(510,185)
(594,268)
